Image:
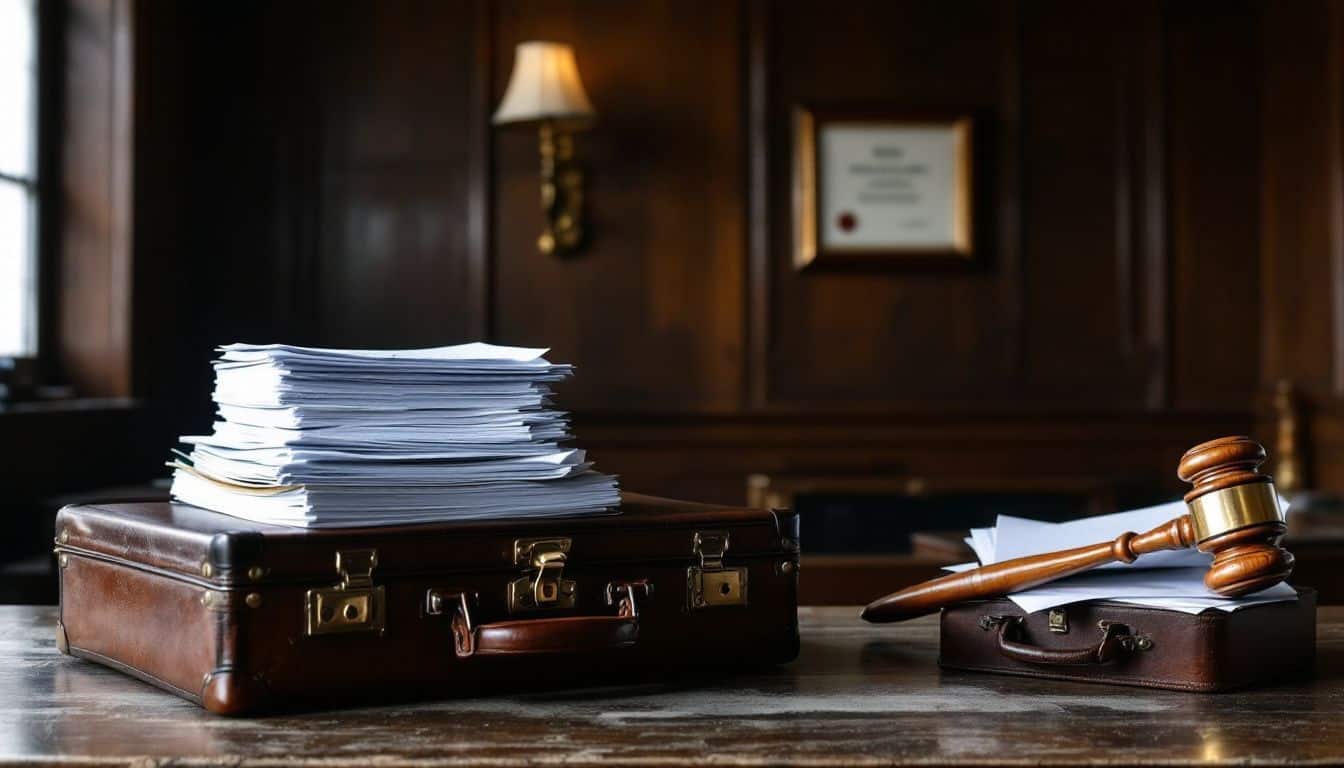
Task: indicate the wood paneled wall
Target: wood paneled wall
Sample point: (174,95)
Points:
(1302,221)
(652,312)
(91,270)
(327,174)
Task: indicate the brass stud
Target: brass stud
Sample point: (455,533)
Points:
(207,598)
(64,560)
(253,600)
(786,567)
(207,570)
(65,536)
(255,573)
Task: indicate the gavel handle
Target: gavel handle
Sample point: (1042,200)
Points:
(1026,572)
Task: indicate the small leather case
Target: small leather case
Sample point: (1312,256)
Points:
(1122,644)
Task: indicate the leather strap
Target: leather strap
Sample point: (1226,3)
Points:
(1107,650)
(535,637)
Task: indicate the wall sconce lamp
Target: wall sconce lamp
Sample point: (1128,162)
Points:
(545,91)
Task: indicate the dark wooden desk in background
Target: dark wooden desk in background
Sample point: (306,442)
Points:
(858,694)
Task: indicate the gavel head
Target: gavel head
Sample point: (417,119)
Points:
(1235,514)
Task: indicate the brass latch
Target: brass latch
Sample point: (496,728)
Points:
(711,583)
(1059,621)
(542,586)
(354,605)
(1128,638)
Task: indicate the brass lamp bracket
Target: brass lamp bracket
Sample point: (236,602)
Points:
(561,192)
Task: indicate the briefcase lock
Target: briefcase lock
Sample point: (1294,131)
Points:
(542,585)
(711,583)
(354,605)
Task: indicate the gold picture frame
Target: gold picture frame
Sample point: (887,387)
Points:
(926,174)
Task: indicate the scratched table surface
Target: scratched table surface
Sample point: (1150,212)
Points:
(858,694)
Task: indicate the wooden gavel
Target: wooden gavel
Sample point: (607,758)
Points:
(1234,515)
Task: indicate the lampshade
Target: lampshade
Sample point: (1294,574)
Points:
(545,85)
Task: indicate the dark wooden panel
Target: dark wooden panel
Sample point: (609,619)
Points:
(217,202)
(1213,97)
(1066,309)
(94,265)
(306,172)
(1325,416)
(1298,287)
(712,457)
(1090,263)
(652,312)
(401,263)
(331,187)
(171,305)
(884,337)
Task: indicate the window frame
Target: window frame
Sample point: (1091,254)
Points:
(86,133)
(51,52)
(35,187)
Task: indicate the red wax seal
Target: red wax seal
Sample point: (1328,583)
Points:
(847,221)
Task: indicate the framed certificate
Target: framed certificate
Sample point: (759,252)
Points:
(882,189)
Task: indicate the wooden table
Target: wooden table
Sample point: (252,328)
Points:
(858,694)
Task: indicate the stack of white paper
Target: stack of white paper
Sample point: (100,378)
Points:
(1172,580)
(333,437)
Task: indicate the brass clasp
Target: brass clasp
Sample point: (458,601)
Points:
(356,567)
(711,583)
(1127,637)
(543,586)
(353,605)
(1059,621)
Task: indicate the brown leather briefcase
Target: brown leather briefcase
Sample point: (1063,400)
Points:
(1111,642)
(241,617)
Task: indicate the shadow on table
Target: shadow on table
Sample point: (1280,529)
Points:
(568,680)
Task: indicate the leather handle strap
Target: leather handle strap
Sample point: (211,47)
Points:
(1110,647)
(538,637)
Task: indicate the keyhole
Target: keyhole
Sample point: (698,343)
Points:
(725,589)
(328,613)
(351,612)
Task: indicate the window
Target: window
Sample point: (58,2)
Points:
(18,178)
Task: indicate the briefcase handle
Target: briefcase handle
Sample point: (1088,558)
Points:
(1115,642)
(538,637)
